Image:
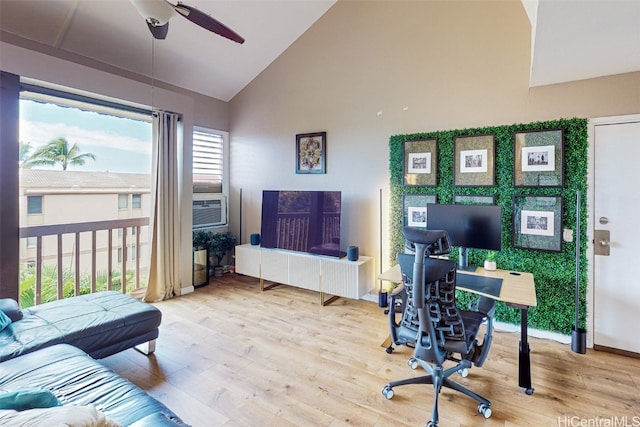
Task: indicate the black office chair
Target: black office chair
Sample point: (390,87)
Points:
(432,323)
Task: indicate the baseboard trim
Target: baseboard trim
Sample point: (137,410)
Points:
(186,290)
(536,333)
(617,351)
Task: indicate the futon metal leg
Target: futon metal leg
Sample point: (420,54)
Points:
(147,348)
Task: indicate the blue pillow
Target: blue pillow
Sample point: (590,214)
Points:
(28,399)
(11,309)
(4,321)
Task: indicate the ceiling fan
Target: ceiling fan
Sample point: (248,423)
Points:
(158,12)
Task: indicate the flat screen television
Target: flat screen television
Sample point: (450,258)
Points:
(304,221)
(468,226)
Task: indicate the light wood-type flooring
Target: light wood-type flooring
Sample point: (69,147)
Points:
(230,354)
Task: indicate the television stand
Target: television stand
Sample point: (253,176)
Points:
(330,276)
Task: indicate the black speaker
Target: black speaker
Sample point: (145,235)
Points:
(353,253)
(255,239)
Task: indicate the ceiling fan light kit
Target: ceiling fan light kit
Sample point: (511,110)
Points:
(157,13)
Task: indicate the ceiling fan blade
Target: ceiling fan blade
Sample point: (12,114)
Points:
(207,22)
(159,31)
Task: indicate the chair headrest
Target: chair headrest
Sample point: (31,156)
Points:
(437,241)
(434,268)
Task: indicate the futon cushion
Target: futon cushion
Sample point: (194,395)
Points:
(77,379)
(4,321)
(11,308)
(101,324)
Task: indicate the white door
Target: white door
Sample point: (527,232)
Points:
(616,307)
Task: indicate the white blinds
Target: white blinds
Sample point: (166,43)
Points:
(208,153)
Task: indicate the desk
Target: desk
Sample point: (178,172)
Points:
(518,290)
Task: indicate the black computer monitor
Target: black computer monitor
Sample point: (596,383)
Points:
(468,226)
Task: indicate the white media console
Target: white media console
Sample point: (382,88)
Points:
(335,277)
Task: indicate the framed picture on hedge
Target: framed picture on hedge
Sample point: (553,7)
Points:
(537,222)
(311,151)
(461,199)
(415,209)
(474,159)
(538,157)
(420,164)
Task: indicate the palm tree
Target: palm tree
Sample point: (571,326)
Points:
(24,158)
(58,151)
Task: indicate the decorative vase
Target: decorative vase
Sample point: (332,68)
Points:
(490,265)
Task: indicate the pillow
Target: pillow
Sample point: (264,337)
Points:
(68,416)
(11,309)
(4,321)
(28,399)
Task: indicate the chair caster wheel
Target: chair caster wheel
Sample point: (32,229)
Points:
(528,391)
(484,410)
(431,424)
(387,392)
(464,372)
(389,350)
(413,363)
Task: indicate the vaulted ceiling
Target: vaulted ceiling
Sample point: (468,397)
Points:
(571,40)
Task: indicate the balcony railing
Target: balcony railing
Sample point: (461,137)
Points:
(292,230)
(87,237)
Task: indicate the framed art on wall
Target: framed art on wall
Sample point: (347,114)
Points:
(461,199)
(311,151)
(538,159)
(537,222)
(415,209)
(474,158)
(420,163)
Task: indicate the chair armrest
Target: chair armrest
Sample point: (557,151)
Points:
(487,306)
(397,290)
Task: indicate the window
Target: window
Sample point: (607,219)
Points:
(133,252)
(34,204)
(136,201)
(208,158)
(123,201)
(131,231)
(84,153)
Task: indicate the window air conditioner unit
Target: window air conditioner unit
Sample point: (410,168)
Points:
(209,210)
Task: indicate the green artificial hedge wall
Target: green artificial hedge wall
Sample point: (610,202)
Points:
(554,272)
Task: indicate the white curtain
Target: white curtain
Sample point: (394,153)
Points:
(164,223)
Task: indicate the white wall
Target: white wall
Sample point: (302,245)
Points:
(368,70)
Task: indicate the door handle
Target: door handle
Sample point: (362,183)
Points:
(602,242)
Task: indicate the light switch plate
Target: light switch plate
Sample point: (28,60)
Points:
(567,235)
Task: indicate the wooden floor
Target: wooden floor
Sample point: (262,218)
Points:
(232,355)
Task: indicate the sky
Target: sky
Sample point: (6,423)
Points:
(119,144)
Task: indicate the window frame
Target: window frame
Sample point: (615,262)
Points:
(29,206)
(121,197)
(136,197)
